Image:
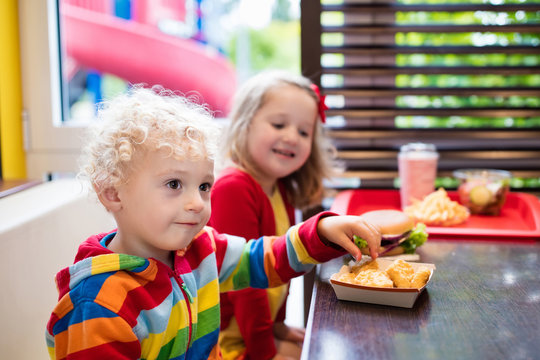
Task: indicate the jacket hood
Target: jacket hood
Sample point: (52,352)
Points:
(94,258)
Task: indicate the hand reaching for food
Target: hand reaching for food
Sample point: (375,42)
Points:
(399,233)
(340,230)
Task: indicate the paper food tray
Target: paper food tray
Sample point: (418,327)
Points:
(401,297)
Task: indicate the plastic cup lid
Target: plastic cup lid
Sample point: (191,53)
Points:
(418,147)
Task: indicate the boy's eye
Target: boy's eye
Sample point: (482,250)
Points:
(205,187)
(303,133)
(278,126)
(174,184)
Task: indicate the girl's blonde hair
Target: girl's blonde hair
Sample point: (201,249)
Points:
(305,186)
(144,120)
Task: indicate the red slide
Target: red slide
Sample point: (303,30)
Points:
(141,53)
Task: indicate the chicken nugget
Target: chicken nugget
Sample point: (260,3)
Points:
(373,277)
(401,273)
(420,277)
(373,264)
(345,274)
(346,277)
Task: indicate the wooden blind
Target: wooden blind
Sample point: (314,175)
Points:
(463,76)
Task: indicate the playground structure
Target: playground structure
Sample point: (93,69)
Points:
(139,52)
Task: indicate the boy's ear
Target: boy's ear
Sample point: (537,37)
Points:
(109,198)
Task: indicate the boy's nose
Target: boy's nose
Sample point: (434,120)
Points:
(194,203)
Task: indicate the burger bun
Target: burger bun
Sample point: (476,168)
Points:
(389,222)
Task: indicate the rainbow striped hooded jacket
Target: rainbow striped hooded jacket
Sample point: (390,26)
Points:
(116,306)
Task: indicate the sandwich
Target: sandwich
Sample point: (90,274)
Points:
(399,234)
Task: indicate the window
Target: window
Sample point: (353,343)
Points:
(108,45)
(76,53)
(464,76)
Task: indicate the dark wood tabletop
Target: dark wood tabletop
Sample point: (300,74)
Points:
(483,302)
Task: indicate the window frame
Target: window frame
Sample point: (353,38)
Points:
(51,145)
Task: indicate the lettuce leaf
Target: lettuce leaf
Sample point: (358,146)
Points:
(358,241)
(418,237)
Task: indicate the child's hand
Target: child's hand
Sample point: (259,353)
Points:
(341,229)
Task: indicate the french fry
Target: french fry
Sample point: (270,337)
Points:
(437,209)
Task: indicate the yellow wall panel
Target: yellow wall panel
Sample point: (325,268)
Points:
(11,132)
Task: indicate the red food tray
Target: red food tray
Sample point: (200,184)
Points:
(519,218)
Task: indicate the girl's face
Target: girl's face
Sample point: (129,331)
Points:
(281,133)
(164,205)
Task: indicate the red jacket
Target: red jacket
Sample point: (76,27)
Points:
(240,207)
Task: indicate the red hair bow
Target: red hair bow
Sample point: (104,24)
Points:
(322,106)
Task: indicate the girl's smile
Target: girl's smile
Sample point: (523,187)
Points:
(284,153)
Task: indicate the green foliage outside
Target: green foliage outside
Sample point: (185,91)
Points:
(274,47)
(452,183)
(457,81)
(491,81)
(448,59)
(477,60)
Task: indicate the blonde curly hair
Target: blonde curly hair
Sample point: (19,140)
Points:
(142,120)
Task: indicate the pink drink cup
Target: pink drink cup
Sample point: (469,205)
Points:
(417,172)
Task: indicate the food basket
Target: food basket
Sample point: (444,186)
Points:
(401,297)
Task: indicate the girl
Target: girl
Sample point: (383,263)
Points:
(276,158)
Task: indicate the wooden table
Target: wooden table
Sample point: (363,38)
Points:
(483,302)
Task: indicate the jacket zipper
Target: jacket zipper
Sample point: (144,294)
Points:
(187,295)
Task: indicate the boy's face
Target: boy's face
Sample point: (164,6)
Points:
(165,203)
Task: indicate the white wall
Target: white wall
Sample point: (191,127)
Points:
(40,230)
